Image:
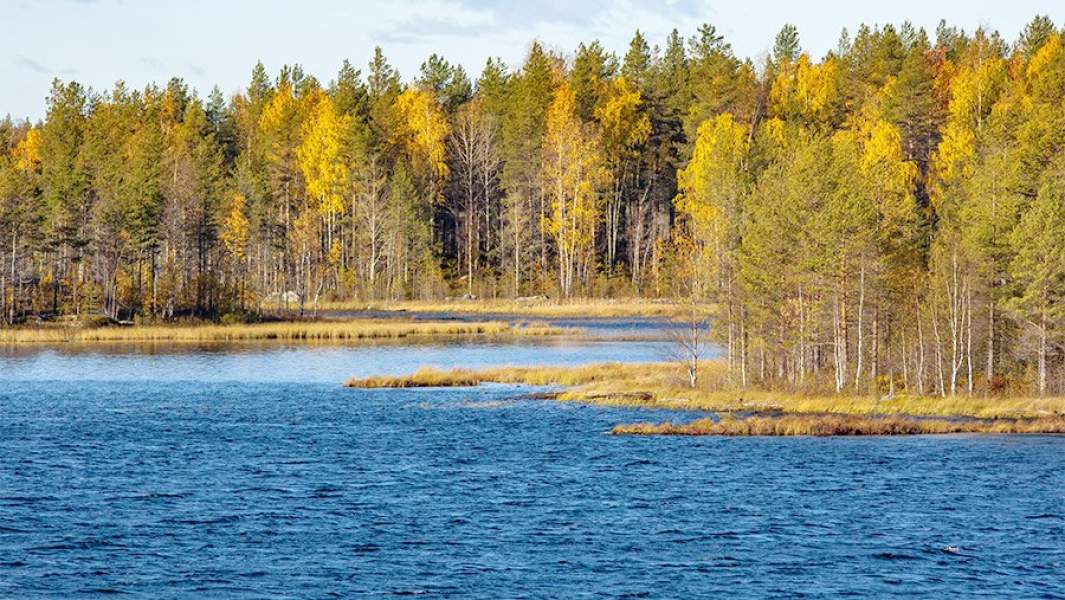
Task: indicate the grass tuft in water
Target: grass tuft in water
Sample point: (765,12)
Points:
(424,377)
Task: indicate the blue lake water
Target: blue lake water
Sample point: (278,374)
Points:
(248,471)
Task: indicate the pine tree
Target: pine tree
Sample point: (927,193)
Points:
(1039,270)
(786,48)
(637,64)
(589,78)
(349,93)
(523,134)
(449,84)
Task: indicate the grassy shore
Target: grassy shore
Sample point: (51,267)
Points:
(615,308)
(294,331)
(660,385)
(833,425)
(544,375)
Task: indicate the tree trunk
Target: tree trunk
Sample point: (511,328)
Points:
(969,340)
(939,353)
(875,359)
(990,342)
(1043,353)
(11,309)
(802,340)
(920,348)
(839,346)
(861,313)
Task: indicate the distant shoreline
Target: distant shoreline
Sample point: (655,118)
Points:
(293,331)
(537,306)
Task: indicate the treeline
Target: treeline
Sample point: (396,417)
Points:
(889,216)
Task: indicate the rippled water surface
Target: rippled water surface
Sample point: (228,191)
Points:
(249,472)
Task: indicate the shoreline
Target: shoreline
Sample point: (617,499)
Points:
(796,425)
(533,307)
(322,331)
(655,386)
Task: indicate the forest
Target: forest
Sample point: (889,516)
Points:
(888,217)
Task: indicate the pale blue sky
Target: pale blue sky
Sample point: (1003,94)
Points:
(98,42)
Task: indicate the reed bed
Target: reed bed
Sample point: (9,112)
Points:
(310,331)
(661,385)
(841,425)
(673,396)
(527,308)
(541,375)
(424,377)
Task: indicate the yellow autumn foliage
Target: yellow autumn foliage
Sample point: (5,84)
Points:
(574,175)
(321,156)
(235,229)
(27,153)
(805,90)
(624,125)
(423,129)
(974,90)
(712,179)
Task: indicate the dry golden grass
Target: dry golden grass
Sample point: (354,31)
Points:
(424,377)
(577,307)
(675,396)
(310,331)
(544,375)
(840,425)
(662,385)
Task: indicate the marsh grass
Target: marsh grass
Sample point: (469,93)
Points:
(664,385)
(309,331)
(841,425)
(541,376)
(528,308)
(424,377)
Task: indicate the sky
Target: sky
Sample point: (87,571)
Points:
(209,42)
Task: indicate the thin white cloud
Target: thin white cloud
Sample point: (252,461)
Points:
(24,62)
(28,63)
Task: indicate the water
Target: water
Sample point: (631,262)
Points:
(303,363)
(249,472)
